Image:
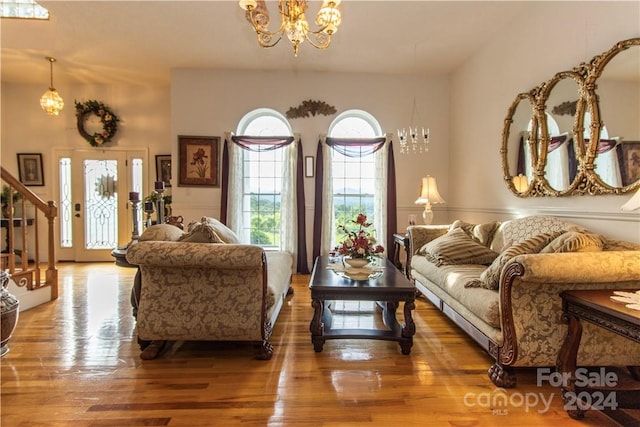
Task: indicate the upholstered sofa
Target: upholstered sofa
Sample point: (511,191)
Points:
(201,285)
(500,283)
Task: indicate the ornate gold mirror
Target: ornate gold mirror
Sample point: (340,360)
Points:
(561,132)
(577,133)
(614,139)
(519,144)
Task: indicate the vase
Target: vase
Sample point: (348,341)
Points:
(356,262)
(8,313)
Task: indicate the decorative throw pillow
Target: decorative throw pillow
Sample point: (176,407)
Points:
(161,232)
(490,278)
(457,247)
(201,233)
(482,233)
(519,230)
(193,224)
(225,233)
(619,245)
(574,241)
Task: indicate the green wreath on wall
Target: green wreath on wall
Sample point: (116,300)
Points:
(107,117)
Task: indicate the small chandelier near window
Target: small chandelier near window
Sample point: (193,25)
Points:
(294,24)
(412,141)
(51,101)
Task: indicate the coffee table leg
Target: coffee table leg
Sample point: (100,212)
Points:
(316,325)
(566,364)
(389,315)
(409,328)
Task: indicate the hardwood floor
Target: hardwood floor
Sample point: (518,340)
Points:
(75,361)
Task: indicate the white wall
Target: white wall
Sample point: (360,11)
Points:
(207,102)
(555,36)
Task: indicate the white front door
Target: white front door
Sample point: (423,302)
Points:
(100,216)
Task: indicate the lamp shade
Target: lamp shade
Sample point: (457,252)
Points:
(521,183)
(429,192)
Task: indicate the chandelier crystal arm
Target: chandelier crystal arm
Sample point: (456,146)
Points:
(293,22)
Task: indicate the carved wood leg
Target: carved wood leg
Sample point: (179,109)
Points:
(135,293)
(143,343)
(635,372)
(264,350)
(409,328)
(389,315)
(315,327)
(153,350)
(566,364)
(502,376)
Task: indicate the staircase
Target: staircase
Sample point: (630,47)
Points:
(29,273)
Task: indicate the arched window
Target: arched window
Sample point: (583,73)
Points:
(556,169)
(262,133)
(355,175)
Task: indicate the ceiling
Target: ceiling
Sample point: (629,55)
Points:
(131,42)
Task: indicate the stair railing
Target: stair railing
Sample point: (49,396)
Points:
(27,273)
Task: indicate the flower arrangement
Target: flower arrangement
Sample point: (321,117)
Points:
(107,117)
(359,243)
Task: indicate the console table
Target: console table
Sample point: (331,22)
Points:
(401,241)
(17,223)
(597,307)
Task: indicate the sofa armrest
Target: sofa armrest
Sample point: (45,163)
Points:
(187,254)
(530,287)
(582,267)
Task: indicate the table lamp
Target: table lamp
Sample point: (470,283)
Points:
(428,195)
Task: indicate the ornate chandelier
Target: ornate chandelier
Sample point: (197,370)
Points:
(294,24)
(51,101)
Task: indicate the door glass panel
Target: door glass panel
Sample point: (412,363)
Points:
(101,203)
(136,180)
(66,215)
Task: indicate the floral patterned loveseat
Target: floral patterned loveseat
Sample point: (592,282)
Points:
(500,282)
(202,285)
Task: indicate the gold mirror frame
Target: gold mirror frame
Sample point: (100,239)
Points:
(586,181)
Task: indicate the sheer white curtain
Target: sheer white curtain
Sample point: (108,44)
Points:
(288,200)
(380,196)
(607,166)
(328,218)
(606,163)
(234,204)
(556,169)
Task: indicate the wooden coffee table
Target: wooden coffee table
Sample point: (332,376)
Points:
(388,290)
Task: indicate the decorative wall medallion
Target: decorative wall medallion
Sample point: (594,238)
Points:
(567,107)
(310,107)
(107,117)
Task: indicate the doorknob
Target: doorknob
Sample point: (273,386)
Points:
(76,207)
